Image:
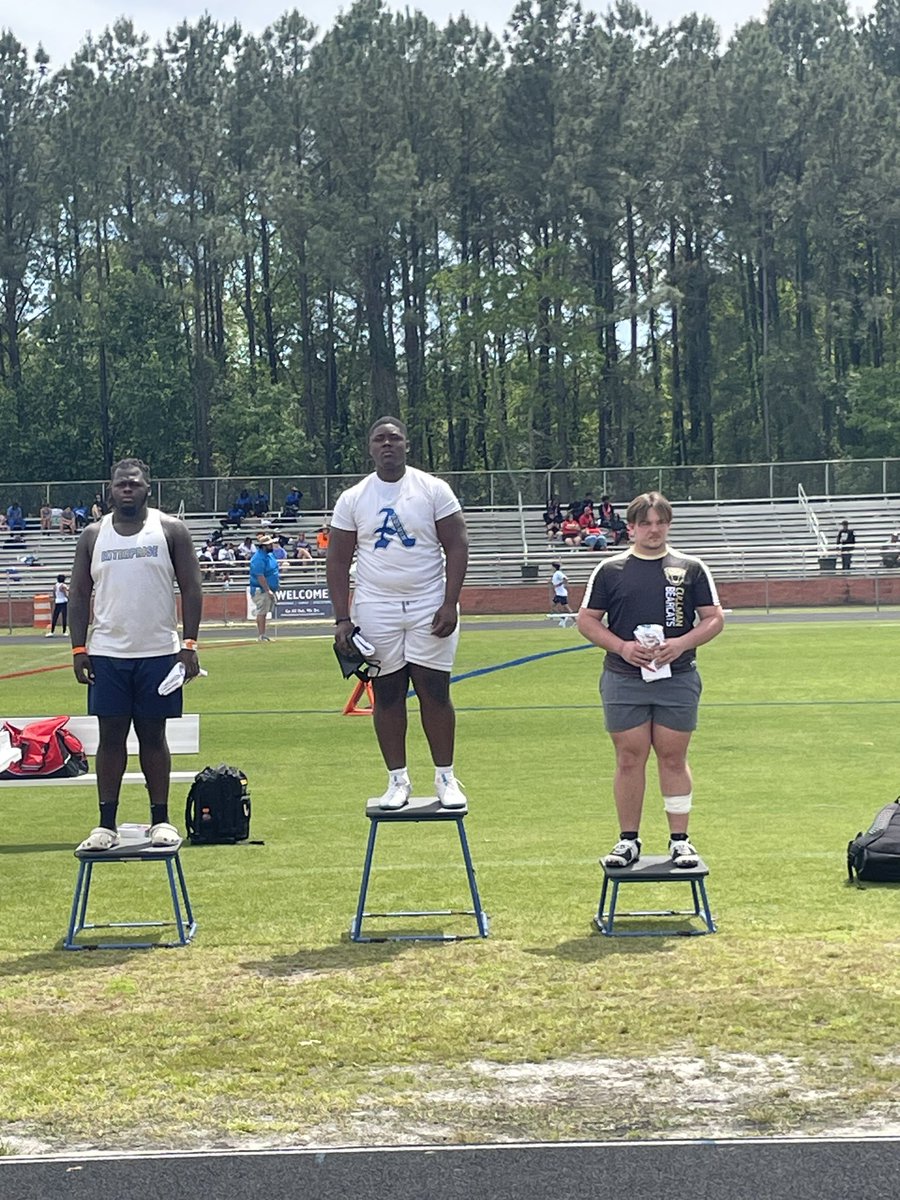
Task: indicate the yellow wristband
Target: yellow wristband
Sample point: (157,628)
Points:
(79,649)
(189,644)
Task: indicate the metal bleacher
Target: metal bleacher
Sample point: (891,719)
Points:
(508,548)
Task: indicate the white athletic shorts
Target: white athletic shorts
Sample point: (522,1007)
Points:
(400,631)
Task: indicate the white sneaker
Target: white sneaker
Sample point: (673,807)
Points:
(164,835)
(397,795)
(49,633)
(100,839)
(449,792)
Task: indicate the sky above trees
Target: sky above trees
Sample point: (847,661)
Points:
(61,26)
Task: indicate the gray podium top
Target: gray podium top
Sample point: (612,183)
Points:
(134,843)
(419,808)
(655,868)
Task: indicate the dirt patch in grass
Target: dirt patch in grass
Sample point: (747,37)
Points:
(585,1098)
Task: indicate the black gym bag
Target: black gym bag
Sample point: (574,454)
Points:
(875,854)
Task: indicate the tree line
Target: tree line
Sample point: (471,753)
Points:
(590,242)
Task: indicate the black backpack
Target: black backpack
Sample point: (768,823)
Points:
(875,854)
(218,806)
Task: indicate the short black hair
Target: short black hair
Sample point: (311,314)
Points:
(131,464)
(401,425)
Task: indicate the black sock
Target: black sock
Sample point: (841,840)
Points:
(678,837)
(159,814)
(108,815)
(629,835)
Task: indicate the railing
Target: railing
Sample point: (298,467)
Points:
(501,489)
(812,520)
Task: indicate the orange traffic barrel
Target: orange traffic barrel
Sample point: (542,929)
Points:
(42,611)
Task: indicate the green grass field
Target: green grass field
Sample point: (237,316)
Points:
(273,1029)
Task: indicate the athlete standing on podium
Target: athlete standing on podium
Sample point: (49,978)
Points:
(644,709)
(129,562)
(409,535)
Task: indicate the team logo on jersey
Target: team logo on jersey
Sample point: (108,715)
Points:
(129,552)
(675,575)
(389,528)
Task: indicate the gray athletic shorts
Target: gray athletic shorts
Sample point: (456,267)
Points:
(628,701)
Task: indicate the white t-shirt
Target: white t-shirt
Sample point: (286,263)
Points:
(559,582)
(398,553)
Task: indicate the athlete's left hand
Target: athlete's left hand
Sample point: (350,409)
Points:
(667,652)
(191,664)
(444,620)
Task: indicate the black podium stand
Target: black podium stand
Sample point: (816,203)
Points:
(654,868)
(419,808)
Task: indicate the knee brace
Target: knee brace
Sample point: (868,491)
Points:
(678,804)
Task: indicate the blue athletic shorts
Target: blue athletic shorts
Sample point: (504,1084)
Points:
(628,701)
(127,687)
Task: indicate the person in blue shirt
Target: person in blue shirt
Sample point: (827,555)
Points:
(263,582)
(292,502)
(14,516)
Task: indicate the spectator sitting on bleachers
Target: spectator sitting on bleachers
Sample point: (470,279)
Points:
(67,520)
(98,508)
(570,530)
(225,559)
(292,500)
(322,535)
(234,516)
(890,551)
(260,503)
(553,518)
(46,515)
(301,550)
(244,503)
(206,556)
(244,550)
(3,525)
(577,507)
(15,518)
(609,519)
(593,537)
(82,516)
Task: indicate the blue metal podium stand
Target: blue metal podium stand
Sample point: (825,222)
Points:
(654,868)
(420,808)
(133,847)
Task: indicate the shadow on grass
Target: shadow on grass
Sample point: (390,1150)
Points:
(37,848)
(344,956)
(595,947)
(51,962)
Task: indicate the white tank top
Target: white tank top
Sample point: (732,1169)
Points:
(134,592)
(60,593)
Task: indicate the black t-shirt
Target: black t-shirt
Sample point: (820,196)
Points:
(663,591)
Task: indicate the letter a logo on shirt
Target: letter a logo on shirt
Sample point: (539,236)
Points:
(391,527)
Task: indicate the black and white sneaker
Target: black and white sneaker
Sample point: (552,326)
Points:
(623,854)
(683,854)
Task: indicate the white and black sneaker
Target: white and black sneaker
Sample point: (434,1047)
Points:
(625,853)
(683,854)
